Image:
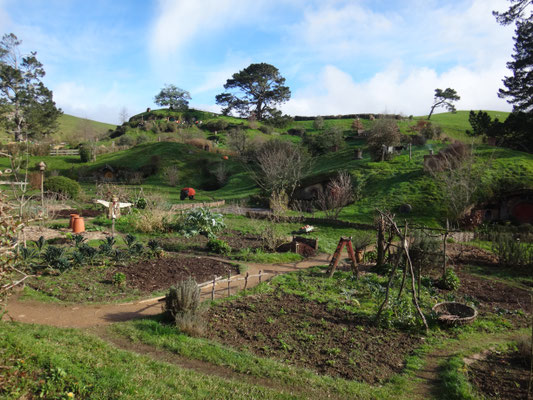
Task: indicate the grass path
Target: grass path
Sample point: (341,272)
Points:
(428,384)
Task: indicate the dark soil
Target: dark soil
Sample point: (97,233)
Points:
(306,334)
(237,240)
(159,274)
(493,296)
(501,375)
(61,214)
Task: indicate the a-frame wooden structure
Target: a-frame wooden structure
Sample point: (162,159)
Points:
(344,241)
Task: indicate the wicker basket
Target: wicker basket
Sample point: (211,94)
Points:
(453,313)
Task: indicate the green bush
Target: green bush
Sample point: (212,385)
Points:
(218,246)
(62,185)
(266,129)
(450,280)
(119,279)
(125,141)
(216,125)
(86,153)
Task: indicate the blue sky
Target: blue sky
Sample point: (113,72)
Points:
(338,56)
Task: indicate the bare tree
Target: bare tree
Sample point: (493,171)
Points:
(237,140)
(460,181)
(171,175)
(220,171)
(123,115)
(338,194)
(279,167)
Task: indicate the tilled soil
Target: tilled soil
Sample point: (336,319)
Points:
(306,334)
(501,375)
(161,273)
(494,296)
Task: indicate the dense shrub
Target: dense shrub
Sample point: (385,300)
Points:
(321,143)
(266,129)
(218,246)
(62,185)
(182,304)
(86,153)
(299,131)
(216,125)
(318,123)
(141,139)
(418,140)
(125,141)
(385,132)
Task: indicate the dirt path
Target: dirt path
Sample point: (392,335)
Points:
(428,386)
(83,316)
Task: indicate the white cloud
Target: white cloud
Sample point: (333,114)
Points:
(94,102)
(179,21)
(395,90)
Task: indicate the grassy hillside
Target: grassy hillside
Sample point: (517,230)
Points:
(70,127)
(388,184)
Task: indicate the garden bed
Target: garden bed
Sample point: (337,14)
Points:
(307,334)
(95,283)
(159,274)
(491,296)
(501,375)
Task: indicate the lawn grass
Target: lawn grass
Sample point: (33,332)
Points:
(40,361)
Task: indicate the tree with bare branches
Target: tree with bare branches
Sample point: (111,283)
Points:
(338,194)
(279,167)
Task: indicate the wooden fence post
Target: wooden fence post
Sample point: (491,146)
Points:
(229,281)
(246,280)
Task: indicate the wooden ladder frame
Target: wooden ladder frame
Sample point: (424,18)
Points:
(344,241)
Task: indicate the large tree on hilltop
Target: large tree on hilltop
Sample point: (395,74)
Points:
(26,105)
(260,87)
(444,98)
(173,97)
(519,86)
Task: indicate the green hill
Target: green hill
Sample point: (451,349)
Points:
(388,184)
(71,127)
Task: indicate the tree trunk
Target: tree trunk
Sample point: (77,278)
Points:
(431,112)
(381,242)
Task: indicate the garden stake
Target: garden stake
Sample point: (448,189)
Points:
(213,289)
(229,281)
(246,280)
(260,272)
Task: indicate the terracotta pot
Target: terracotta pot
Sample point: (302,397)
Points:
(78,225)
(72,216)
(359,256)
